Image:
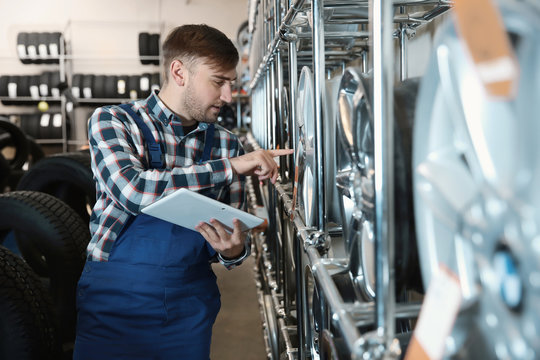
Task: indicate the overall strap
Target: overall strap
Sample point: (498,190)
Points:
(154,149)
(208,143)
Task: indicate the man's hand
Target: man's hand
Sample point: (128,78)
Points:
(260,163)
(228,245)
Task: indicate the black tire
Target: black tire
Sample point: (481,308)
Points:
(54,47)
(77,86)
(44,126)
(154,48)
(98,87)
(111,87)
(144,47)
(406,249)
(145,83)
(44,84)
(14,79)
(18,139)
(55,126)
(22,40)
(5,171)
(227,117)
(33,88)
(43,47)
(23,89)
(4,80)
(55,85)
(35,151)
(33,42)
(4,92)
(52,239)
(66,176)
(29,327)
(87,84)
(155,81)
(133,87)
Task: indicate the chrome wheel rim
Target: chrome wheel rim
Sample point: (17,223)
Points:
(476,175)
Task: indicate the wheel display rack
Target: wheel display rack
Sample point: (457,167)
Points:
(345,283)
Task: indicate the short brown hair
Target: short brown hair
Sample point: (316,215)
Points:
(191,42)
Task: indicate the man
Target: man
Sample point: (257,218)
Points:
(147,290)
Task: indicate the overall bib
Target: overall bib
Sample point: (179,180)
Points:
(156,297)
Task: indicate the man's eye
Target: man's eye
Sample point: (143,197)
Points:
(219,83)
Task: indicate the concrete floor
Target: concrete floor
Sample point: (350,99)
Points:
(238,333)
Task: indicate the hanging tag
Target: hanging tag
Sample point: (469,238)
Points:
(481,27)
(437,316)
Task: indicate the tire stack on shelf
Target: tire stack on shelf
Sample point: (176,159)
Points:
(44,89)
(149,46)
(110,88)
(45,205)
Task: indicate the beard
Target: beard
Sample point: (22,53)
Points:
(196,110)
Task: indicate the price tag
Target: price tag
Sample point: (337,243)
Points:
(481,28)
(437,316)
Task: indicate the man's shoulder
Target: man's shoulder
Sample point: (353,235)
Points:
(110,112)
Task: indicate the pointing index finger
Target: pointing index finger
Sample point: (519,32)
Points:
(280,152)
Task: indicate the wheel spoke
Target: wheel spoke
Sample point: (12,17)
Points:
(447,186)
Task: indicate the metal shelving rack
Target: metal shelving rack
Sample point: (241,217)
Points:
(283,32)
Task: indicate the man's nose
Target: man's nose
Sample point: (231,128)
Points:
(226,93)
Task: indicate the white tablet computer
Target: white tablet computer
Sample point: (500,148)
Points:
(187,208)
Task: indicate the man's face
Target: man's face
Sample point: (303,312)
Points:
(207,90)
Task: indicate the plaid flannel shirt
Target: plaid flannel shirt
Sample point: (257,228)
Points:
(124,182)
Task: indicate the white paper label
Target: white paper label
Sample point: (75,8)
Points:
(21,49)
(34,91)
(32,51)
(121,86)
(57,120)
(55,92)
(438,313)
(76,92)
(45,120)
(43,51)
(144,84)
(87,93)
(12,90)
(53,50)
(133,95)
(44,89)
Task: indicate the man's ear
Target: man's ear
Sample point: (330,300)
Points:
(178,72)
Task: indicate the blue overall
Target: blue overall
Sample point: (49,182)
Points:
(156,297)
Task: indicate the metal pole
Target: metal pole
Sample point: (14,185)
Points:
(383,77)
(319,94)
(402,48)
(293,80)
